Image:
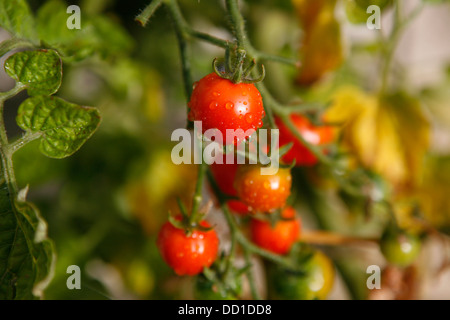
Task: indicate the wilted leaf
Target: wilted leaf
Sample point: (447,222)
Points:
(64,126)
(321,49)
(390,134)
(26,255)
(40,71)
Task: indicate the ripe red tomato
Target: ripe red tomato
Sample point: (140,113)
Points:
(279,238)
(221,104)
(262,193)
(316,135)
(224,175)
(187,255)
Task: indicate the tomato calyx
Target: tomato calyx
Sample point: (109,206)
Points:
(186,222)
(235,68)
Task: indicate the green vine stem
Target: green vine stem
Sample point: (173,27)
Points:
(182,36)
(6,151)
(145,15)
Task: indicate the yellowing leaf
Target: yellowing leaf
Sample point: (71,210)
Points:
(389,135)
(434,190)
(321,49)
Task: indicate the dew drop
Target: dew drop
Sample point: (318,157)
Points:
(245,103)
(244,93)
(229,105)
(266,185)
(249,118)
(240,117)
(213,105)
(216,94)
(195,84)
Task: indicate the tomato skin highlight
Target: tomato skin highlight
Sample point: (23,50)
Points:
(280,238)
(187,255)
(263,193)
(220,104)
(316,135)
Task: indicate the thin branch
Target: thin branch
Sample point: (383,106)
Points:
(22,141)
(148,12)
(334,239)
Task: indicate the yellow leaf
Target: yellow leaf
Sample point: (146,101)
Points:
(321,49)
(389,134)
(434,190)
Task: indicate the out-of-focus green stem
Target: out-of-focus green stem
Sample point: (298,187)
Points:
(146,14)
(182,35)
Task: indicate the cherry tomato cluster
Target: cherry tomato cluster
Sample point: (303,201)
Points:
(221,104)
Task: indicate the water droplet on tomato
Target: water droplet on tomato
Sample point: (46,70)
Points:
(216,94)
(266,185)
(249,118)
(245,103)
(195,84)
(244,93)
(229,105)
(213,105)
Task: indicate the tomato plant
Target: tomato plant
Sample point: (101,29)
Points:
(94,94)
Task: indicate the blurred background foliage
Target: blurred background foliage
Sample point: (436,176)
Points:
(105,204)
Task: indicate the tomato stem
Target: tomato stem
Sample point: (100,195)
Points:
(148,12)
(197,199)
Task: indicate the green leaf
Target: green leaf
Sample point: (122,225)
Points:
(64,126)
(98,34)
(40,71)
(26,255)
(16,17)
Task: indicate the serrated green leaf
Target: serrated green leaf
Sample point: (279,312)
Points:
(26,255)
(40,71)
(16,17)
(64,126)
